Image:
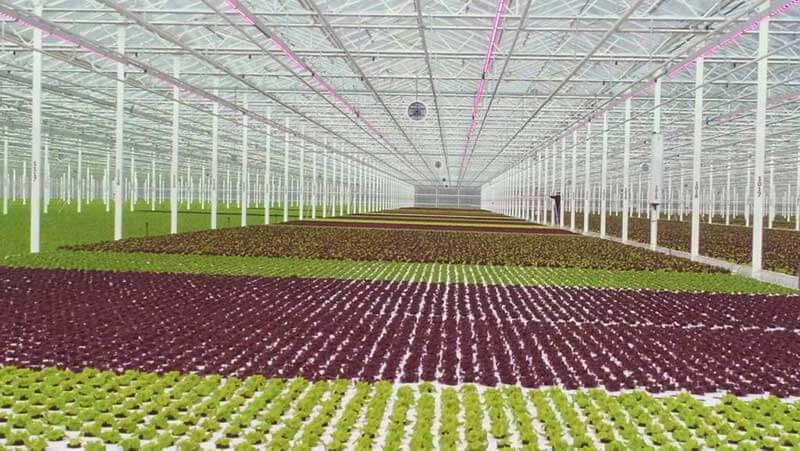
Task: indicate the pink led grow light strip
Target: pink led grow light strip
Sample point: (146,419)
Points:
(246,17)
(487,66)
(753,26)
(702,54)
(302,67)
(65,39)
(120,59)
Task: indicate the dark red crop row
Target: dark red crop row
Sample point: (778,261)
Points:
(447,219)
(372,244)
(325,329)
(450,227)
(734,243)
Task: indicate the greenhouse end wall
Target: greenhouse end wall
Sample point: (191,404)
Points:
(447,197)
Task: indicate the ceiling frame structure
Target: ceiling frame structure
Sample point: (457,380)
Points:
(558,65)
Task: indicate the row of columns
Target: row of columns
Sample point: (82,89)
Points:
(523,190)
(366,189)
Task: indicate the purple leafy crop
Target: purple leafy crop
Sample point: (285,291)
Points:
(399,331)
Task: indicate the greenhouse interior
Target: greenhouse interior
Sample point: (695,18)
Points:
(400,224)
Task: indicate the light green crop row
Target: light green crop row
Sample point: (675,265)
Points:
(133,410)
(62,226)
(394,271)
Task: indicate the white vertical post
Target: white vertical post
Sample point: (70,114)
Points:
(772,193)
(668,197)
(654,209)
(173,170)
(342,185)
(46,174)
(314,183)
(797,197)
(79,191)
(153,183)
(245,185)
(574,186)
(107,182)
(697,148)
(268,170)
(228,186)
(626,170)
(747,191)
(681,195)
(132,183)
(286,171)
(214,161)
(301,188)
(760,142)
(586,174)
(36,134)
(6,180)
(529,177)
(545,187)
(711,193)
(349,188)
(325,186)
(118,134)
(561,192)
(728,194)
(604,178)
(541,219)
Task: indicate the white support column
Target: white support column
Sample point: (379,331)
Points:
(760,142)
(286,171)
(36,135)
(668,197)
(728,193)
(545,187)
(173,170)
(362,186)
(526,194)
(132,182)
(107,183)
(604,179)
(245,186)
(360,183)
(657,167)
(561,192)
(153,183)
(314,183)
(697,149)
(539,188)
(118,136)
(349,187)
(268,170)
(214,160)
(797,197)
(301,183)
(711,193)
(79,175)
(772,193)
(6,180)
(228,186)
(46,174)
(586,173)
(340,191)
(681,195)
(325,179)
(747,191)
(534,195)
(626,170)
(574,186)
